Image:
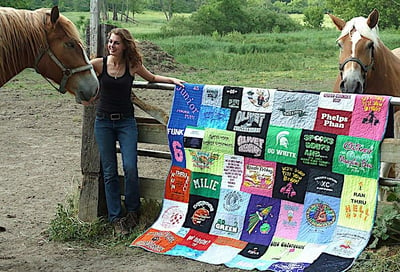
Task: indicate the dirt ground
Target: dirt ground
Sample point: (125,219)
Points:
(40,145)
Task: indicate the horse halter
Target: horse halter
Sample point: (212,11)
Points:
(364,68)
(67,73)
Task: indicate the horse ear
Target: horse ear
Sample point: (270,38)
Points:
(339,23)
(373,18)
(55,14)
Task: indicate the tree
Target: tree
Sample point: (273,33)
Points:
(20,4)
(388,10)
(222,16)
(166,7)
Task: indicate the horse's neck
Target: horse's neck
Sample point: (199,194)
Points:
(385,78)
(20,52)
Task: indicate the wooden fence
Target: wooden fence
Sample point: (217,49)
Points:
(153,131)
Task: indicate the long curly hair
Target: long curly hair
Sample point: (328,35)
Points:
(131,53)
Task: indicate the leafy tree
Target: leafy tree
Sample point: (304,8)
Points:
(227,16)
(388,10)
(222,16)
(20,4)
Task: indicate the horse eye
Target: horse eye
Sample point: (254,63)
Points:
(70,44)
(339,44)
(370,45)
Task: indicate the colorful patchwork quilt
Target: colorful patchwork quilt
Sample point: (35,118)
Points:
(270,179)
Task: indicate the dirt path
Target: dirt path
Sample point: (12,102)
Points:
(40,141)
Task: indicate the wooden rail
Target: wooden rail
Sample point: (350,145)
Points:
(152,131)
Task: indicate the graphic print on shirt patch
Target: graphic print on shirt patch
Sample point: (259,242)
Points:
(333,121)
(212,95)
(213,117)
(284,250)
(325,182)
(193,137)
(320,215)
(178,184)
(358,202)
(232,172)
(201,213)
(319,220)
(289,220)
(260,222)
(297,110)
(218,140)
(201,161)
(172,217)
(369,117)
(253,251)
(282,144)
(337,101)
(204,184)
(186,106)
(176,146)
(356,156)
(250,145)
(258,100)
(259,176)
(287,266)
(157,240)
(290,183)
(316,149)
(347,242)
(232,97)
(249,122)
(198,240)
(230,217)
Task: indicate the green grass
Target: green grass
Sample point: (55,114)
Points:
(298,60)
(66,226)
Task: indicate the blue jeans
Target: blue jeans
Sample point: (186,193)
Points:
(107,133)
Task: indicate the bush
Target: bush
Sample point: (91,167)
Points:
(228,16)
(263,20)
(177,26)
(314,17)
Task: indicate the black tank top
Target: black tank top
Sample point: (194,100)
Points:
(115,94)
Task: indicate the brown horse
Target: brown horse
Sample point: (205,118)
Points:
(50,43)
(366,65)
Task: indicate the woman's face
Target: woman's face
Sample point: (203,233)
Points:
(115,45)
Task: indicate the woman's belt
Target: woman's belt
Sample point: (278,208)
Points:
(114,116)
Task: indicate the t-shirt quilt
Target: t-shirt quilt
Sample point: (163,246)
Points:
(270,179)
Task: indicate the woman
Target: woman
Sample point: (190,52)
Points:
(115,122)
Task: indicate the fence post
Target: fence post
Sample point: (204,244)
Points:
(92,202)
(92,199)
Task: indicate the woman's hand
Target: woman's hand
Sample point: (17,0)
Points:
(177,81)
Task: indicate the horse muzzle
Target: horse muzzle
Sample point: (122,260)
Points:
(352,86)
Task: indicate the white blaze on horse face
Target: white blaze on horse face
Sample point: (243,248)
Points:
(352,78)
(355,38)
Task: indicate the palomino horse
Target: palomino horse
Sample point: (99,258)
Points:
(50,43)
(366,65)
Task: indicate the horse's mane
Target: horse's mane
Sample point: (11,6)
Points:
(23,34)
(360,25)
